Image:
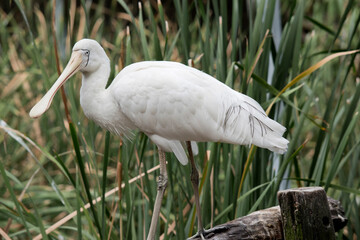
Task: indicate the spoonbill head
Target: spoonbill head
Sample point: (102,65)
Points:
(87,57)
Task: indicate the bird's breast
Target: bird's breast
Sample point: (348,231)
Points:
(105,112)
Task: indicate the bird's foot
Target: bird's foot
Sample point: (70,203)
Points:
(199,235)
(162,182)
(210,233)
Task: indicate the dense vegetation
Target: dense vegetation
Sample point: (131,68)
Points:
(55,165)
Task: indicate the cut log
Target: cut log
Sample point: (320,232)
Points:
(265,224)
(305,214)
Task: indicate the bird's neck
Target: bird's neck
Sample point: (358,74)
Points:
(96,81)
(93,95)
(98,103)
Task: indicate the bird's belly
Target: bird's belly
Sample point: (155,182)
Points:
(193,131)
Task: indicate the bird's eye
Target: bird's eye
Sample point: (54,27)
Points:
(87,52)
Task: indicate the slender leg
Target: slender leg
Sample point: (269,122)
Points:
(161,186)
(195,184)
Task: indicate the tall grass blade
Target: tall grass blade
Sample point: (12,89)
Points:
(14,199)
(338,155)
(105,166)
(142,34)
(83,176)
(348,8)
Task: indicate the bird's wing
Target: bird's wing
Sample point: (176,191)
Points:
(169,100)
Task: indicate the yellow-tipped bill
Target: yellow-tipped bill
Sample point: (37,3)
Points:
(71,68)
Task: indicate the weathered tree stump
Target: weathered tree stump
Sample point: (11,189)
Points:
(264,224)
(268,224)
(306,214)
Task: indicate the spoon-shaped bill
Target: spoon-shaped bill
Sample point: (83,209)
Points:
(71,68)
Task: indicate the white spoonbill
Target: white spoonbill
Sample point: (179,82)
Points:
(171,103)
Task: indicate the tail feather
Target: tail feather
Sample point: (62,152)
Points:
(278,145)
(268,134)
(245,123)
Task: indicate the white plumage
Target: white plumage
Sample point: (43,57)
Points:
(168,101)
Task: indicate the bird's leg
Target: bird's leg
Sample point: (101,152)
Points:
(195,184)
(161,186)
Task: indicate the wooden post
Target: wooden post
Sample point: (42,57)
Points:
(305,214)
